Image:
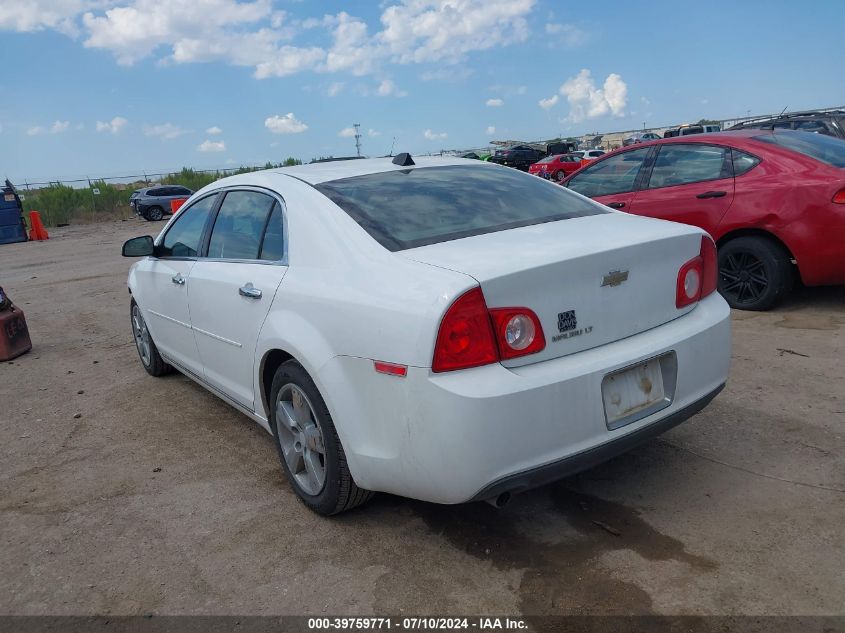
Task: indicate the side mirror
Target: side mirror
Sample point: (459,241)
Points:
(138,247)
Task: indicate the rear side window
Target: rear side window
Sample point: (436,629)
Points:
(414,207)
(825,148)
(615,174)
(184,235)
(239,225)
(743,162)
(273,244)
(685,164)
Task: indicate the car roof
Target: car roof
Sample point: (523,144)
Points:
(316,173)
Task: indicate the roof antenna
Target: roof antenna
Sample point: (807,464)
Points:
(403,160)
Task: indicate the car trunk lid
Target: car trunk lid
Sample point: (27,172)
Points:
(590,280)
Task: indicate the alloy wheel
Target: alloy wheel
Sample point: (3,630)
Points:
(142,336)
(301,439)
(743,278)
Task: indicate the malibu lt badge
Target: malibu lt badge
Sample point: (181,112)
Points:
(567,324)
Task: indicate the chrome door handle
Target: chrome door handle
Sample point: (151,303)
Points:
(178,279)
(250,291)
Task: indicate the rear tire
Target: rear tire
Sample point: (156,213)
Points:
(302,428)
(559,176)
(147,351)
(755,273)
(155,214)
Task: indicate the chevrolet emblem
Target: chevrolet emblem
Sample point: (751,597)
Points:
(614,278)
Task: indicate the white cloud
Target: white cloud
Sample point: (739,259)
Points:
(347,132)
(165,131)
(491,129)
(35,130)
(372,132)
(567,34)
(335,89)
(59,126)
(434,30)
(287,124)
(388,89)
(586,101)
(114,126)
(435,136)
(253,33)
(495,103)
(37,15)
(548,104)
(214,130)
(211,146)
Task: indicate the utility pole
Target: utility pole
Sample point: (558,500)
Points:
(357,127)
(392,146)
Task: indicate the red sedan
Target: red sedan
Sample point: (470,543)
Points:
(774,201)
(557,167)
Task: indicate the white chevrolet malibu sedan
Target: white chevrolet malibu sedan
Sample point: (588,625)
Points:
(437,328)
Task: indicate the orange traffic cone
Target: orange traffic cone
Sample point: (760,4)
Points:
(37,230)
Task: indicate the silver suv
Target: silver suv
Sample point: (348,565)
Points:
(153,203)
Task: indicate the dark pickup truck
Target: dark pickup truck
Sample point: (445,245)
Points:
(519,156)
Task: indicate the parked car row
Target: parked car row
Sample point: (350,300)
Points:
(773,200)
(830,123)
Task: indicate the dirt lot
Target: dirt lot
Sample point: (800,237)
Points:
(159,498)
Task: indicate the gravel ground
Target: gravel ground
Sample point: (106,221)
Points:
(125,494)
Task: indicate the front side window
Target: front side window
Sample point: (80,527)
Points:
(685,164)
(816,125)
(414,207)
(239,225)
(616,174)
(185,234)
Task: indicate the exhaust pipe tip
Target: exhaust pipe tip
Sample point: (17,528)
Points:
(501,501)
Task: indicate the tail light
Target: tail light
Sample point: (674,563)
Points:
(470,335)
(697,278)
(518,332)
(465,338)
(839,197)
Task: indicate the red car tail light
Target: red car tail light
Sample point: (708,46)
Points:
(839,197)
(698,277)
(465,338)
(518,332)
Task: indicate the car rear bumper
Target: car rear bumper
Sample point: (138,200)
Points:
(471,434)
(573,464)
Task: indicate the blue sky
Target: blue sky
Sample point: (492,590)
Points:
(112,87)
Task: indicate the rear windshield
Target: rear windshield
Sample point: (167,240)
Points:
(415,207)
(825,148)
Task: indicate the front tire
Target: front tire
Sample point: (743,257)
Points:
(559,176)
(309,447)
(755,273)
(147,350)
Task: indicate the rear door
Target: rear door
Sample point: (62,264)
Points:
(163,283)
(233,286)
(613,180)
(691,183)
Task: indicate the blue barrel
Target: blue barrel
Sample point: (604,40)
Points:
(12,227)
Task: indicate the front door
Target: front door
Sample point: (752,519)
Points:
(163,283)
(612,180)
(690,183)
(232,289)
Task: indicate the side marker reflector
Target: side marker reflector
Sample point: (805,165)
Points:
(390,369)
